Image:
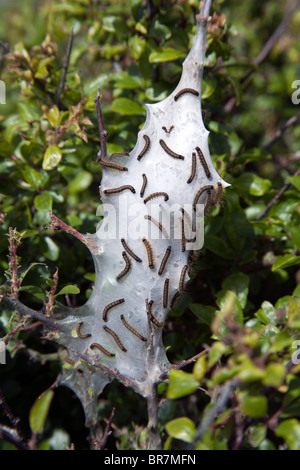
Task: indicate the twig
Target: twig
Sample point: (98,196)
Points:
(58,224)
(65,68)
(12,436)
(29,312)
(102,132)
(282,129)
(107,432)
(12,418)
(50,303)
(181,364)
(154,442)
(213,412)
(275,198)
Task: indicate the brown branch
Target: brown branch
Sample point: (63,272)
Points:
(102,132)
(15,304)
(107,432)
(290,122)
(275,198)
(65,68)
(58,224)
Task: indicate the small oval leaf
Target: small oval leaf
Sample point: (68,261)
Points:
(52,157)
(39,411)
(181,428)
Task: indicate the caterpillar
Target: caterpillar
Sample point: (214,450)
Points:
(166,130)
(182,278)
(157,194)
(149,252)
(146,147)
(127,266)
(132,329)
(159,225)
(115,337)
(207,201)
(120,154)
(120,189)
(164,260)
(217,194)
(152,318)
(109,306)
(174,299)
(193,170)
(183,239)
(169,151)
(129,251)
(166,293)
(102,349)
(203,162)
(112,165)
(79,332)
(199,193)
(143,188)
(186,90)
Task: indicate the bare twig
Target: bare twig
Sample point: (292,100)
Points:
(275,198)
(65,68)
(29,312)
(58,224)
(50,303)
(107,432)
(12,418)
(154,442)
(290,122)
(213,412)
(102,132)
(10,435)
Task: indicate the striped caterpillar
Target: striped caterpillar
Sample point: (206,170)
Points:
(146,147)
(94,346)
(143,188)
(169,151)
(193,170)
(149,253)
(157,194)
(199,193)
(159,225)
(164,260)
(127,266)
(112,165)
(129,251)
(115,337)
(203,162)
(79,332)
(119,189)
(152,318)
(184,91)
(109,306)
(132,329)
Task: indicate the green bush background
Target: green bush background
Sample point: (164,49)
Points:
(243,300)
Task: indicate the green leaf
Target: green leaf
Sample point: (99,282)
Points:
(181,428)
(204,313)
(181,383)
(68,290)
(218,246)
(43,202)
(199,368)
(267,313)
(52,251)
(126,106)
(52,157)
(31,176)
(289,430)
(81,182)
(274,375)
(295,180)
(53,116)
(295,234)
(39,411)
(238,283)
(285,261)
(165,54)
(255,406)
(253,184)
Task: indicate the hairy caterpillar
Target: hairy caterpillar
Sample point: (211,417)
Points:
(166,293)
(203,162)
(112,165)
(115,337)
(127,266)
(186,90)
(143,188)
(164,260)
(129,251)
(149,253)
(102,349)
(152,318)
(159,225)
(157,194)
(199,193)
(132,329)
(109,306)
(79,332)
(193,170)
(169,151)
(119,189)
(146,147)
